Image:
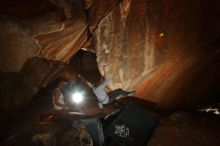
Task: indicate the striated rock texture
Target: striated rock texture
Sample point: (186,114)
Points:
(122,42)
(64,44)
(36,36)
(40,28)
(97,10)
(167,51)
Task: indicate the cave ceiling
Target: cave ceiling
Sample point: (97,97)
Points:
(168,51)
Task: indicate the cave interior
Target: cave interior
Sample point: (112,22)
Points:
(168,52)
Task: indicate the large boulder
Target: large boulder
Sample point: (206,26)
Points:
(42,28)
(166,50)
(37,38)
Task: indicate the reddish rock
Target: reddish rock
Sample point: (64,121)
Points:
(40,31)
(17,89)
(166,50)
(62,45)
(122,42)
(97,10)
(17,42)
(35,37)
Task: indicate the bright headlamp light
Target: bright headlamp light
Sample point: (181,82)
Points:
(77,97)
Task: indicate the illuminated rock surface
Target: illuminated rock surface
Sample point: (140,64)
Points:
(39,28)
(167,51)
(36,38)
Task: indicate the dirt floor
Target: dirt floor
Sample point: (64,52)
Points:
(187,128)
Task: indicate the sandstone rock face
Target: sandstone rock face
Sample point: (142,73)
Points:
(97,10)
(165,50)
(122,41)
(62,45)
(15,45)
(36,36)
(46,31)
(17,89)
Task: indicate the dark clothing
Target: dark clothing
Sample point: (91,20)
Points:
(115,93)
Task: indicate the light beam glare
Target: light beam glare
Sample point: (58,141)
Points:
(77,97)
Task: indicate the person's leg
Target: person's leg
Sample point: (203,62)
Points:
(115,93)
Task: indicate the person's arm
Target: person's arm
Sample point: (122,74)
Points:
(89,84)
(85,81)
(104,83)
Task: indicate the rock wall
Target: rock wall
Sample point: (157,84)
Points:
(36,38)
(167,51)
(17,89)
(97,10)
(121,41)
(42,28)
